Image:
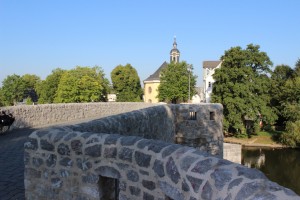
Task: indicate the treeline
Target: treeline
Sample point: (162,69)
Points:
(80,84)
(255,97)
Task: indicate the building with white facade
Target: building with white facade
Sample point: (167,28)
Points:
(199,96)
(209,68)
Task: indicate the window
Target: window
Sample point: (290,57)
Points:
(193,115)
(149,90)
(209,84)
(211,115)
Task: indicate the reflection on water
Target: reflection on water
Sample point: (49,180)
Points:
(255,161)
(279,165)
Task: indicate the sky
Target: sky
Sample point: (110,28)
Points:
(38,36)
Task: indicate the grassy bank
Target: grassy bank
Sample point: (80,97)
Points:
(263,138)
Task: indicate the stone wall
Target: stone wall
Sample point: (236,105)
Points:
(61,163)
(197,125)
(153,123)
(48,114)
(232,152)
(188,124)
(200,126)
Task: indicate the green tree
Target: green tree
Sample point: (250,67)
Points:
(297,68)
(47,88)
(82,84)
(13,87)
(126,84)
(290,110)
(291,99)
(174,83)
(242,85)
(280,75)
(28,101)
(1,98)
(292,135)
(31,81)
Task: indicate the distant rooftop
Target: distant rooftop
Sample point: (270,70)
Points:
(156,75)
(211,64)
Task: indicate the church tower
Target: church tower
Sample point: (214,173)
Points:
(174,53)
(152,83)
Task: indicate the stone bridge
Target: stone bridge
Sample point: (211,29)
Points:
(132,155)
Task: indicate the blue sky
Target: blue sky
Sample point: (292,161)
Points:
(39,36)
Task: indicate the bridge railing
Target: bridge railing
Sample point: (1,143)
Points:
(61,163)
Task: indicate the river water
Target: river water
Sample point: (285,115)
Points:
(279,165)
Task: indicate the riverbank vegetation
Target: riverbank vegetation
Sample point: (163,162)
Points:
(262,138)
(255,98)
(77,85)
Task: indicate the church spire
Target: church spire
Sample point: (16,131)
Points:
(174,43)
(174,53)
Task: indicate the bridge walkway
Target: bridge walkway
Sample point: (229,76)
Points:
(12,164)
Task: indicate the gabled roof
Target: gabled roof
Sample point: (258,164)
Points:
(156,75)
(211,64)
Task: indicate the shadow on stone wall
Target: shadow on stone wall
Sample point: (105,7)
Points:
(64,164)
(152,123)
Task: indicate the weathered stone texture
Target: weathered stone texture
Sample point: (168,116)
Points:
(133,155)
(232,152)
(152,121)
(139,173)
(48,114)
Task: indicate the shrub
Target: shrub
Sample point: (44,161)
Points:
(292,135)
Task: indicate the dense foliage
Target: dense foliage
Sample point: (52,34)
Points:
(251,93)
(47,88)
(16,88)
(82,84)
(290,109)
(175,81)
(280,75)
(242,86)
(126,83)
(30,82)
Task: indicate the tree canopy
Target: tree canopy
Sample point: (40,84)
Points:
(82,84)
(174,83)
(17,88)
(280,75)
(297,68)
(126,83)
(47,88)
(13,89)
(30,82)
(242,86)
(290,109)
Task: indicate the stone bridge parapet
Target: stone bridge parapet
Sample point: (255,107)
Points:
(49,114)
(64,164)
(133,156)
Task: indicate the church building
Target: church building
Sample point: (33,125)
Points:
(152,82)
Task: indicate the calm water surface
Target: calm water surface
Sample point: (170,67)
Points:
(279,165)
